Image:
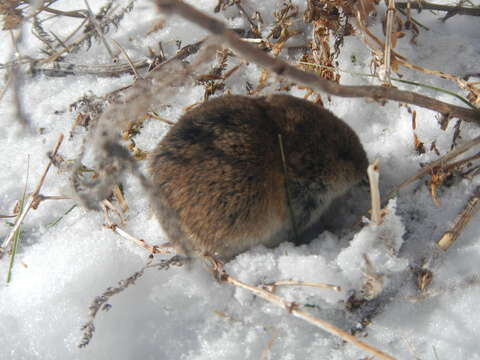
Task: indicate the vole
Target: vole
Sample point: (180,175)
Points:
(221,186)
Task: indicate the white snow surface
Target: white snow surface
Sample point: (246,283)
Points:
(183,313)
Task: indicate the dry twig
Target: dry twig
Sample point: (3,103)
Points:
(272,286)
(388,42)
(373,175)
(153,250)
(293,308)
(424,5)
(450,236)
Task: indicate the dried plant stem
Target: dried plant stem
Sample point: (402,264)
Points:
(183,53)
(468,282)
(459,163)
(140,242)
(353,73)
(99,31)
(33,198)
(106,205)
(287,188)
(439,162)
(450,236)
(129,60)
(7,84)
(373,177)
(292,308)
(80,14)
(271,286)
(100,302)
(16,236)
(60,68)
(159,118)
(388,42)
(458,10)
(463,84)
(412,19)
(282,68)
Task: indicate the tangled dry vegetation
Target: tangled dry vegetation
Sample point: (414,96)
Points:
(210,62)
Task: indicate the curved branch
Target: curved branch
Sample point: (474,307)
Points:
(311,80)
(425,5)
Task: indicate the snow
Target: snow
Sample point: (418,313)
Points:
(183,313)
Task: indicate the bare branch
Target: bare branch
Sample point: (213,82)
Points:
(373,175)
(424,5)
(450,236)
(293,309)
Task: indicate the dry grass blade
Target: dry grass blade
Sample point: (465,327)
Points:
(311,80)
(388,42)
(130,62)
(16,236)
(33,197)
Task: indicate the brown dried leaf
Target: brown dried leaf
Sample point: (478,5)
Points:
(419,147)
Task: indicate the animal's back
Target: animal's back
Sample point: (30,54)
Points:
(221,186)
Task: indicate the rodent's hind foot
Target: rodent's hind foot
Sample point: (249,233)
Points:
(215,267)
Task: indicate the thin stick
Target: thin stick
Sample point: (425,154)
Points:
(309,79)
(412,19)
(76,14)
(287,189)
(439,162)
(271,287)
(60,68)
(16,237)
(130,62)
(162,249)
(33,197)
(462,162)
(292,308)
(388,42)
(140,242)
(373,176)
(99,31)
(458,10)
(450,236)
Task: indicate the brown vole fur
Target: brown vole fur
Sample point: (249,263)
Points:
(219,178)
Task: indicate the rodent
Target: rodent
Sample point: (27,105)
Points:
(219,182)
